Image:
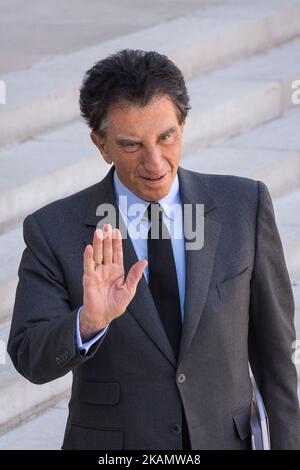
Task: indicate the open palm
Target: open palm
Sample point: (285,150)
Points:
(106,292)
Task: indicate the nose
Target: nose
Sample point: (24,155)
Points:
(153,160)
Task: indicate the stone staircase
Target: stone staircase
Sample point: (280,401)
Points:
(239,60)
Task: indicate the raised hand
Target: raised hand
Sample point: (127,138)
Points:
(106,292)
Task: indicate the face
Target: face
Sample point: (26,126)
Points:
(144,144)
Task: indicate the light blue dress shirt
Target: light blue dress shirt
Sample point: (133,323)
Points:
(138,224)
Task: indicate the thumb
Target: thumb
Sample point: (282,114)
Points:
(135,274)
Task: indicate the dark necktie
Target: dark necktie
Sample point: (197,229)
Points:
(162,276)
(164,287)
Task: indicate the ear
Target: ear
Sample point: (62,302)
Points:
(101,146)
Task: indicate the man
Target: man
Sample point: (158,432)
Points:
(158,334)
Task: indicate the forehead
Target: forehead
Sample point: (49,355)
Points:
(135,120)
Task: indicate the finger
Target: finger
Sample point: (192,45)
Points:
(117,247)
(107,244)
(88,262)
(135,274)
(98,245)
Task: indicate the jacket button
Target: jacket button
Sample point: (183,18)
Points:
(181,378)
(176,429)
(65,355)
(62,358)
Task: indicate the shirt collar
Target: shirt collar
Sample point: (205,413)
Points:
(169,203)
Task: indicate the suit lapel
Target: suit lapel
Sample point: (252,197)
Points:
(198,263)
(142,306)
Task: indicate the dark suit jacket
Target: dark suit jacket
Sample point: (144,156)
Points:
(127,392)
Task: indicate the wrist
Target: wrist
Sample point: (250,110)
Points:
(88,327)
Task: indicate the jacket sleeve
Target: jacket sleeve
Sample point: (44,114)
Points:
(42,341)
(272,331)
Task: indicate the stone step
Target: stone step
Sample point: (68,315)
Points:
(44,431)
(45,96)
(279,169)
(278,134)
(242,96)
(296,347)
(18,397)
(11,248)
(44,169)
(296,356)
(270,153)
(288,218)
(63,161)
(49,32)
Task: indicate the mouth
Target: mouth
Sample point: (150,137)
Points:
(154,182)
(154,179)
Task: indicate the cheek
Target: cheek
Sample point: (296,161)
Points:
(173,152)
(173,161)
(128,169)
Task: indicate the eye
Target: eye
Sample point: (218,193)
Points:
(131,146)
(168,138)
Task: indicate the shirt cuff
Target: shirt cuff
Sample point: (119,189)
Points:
(84,347)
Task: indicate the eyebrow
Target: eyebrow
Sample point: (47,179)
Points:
(126,140)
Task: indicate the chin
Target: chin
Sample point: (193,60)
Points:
(155,195)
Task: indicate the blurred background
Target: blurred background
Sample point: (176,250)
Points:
(241,61)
